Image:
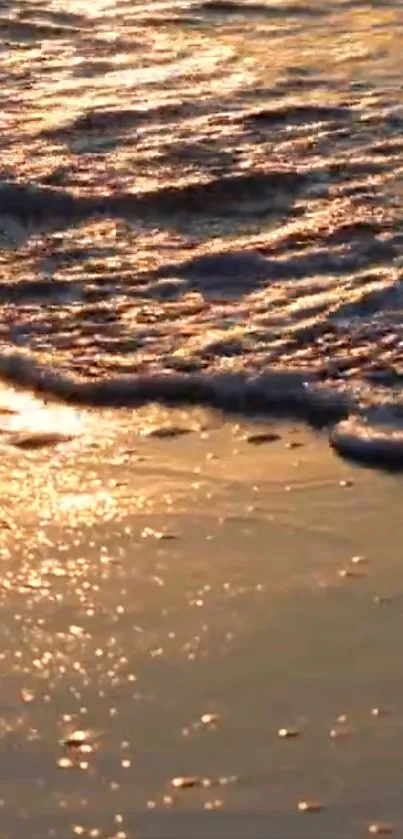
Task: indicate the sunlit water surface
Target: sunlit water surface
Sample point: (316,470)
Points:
(196,196)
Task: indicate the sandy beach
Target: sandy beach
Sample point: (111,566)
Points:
(201,612)
(187,596)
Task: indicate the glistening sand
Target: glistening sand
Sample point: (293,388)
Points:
(239,611)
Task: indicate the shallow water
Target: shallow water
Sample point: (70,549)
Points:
(205,194)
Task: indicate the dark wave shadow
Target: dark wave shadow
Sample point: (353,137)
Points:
(254,9)
(279,393)
(52,207)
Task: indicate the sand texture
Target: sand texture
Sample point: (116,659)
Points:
(212,603)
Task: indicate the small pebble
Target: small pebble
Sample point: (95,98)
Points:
(310,806)
(85,748)
(209,719)
(358,560)
(76,739)
(379,712)
(157,534)
(380,829)
(264,437)
(186,782)
(166,432)
(289,732)
(64,763)
(352,573)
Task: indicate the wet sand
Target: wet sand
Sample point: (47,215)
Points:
(179,589)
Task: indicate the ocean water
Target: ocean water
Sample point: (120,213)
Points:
(201,202)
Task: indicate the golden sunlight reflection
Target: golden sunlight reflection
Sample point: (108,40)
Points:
(29,419)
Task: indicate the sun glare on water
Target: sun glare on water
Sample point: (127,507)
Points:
(29,420)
